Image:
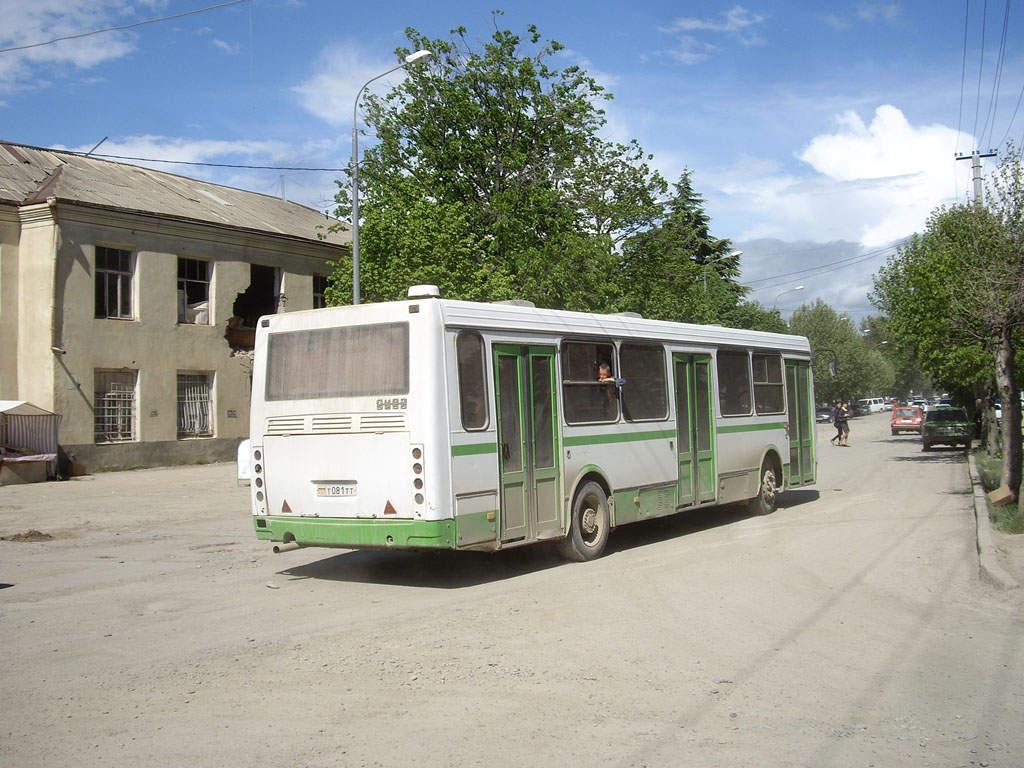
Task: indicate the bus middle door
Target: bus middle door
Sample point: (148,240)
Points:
(527,442)
(696,454)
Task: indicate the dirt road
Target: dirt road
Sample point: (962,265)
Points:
(850,628)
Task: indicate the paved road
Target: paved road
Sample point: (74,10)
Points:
(850,628)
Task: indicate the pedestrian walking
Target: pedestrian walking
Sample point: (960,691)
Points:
(843,423)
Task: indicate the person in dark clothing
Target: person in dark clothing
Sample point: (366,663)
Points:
(842,422)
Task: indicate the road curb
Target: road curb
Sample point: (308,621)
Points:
(989,566)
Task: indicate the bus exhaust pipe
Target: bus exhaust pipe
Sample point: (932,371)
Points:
(279,548)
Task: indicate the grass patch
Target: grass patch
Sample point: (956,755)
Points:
(1005,517)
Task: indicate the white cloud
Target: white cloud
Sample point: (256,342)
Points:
(736,24)
(40,21)
(226,47)
(869,183)
(340,71)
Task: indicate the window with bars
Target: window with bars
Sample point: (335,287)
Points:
(113,282)
(193,291)
(319,291)
(195,405)
(114,406)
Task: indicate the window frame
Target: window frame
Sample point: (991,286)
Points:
(482,392)
(777,386)
(571,405)
(113,409)
(726,354)
(631,380)
(183,292)
(123,275)
(319,294)
(196,405)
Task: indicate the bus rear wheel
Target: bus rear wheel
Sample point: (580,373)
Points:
(767,490)
(589,525)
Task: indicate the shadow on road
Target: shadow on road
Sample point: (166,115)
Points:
(936,455)
(453,570)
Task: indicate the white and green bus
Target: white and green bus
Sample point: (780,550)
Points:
(438,424)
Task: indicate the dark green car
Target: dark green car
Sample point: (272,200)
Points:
(946,426)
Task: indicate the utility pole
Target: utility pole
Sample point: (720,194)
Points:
(975,157)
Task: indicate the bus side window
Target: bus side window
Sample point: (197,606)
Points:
(469,349)
(644,395)
(734,383)
(585,399)
(768,396)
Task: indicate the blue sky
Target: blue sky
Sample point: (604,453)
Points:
(818,133)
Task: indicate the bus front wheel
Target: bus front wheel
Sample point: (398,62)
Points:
(767,490)
(588,527)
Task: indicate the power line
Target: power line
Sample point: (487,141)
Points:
(990,116)
(981,67)
(123,26)
(963,75)
(821,269)
(208,165)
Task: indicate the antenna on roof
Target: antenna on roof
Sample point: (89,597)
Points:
(97,145)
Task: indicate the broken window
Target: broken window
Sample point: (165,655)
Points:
(195,405)
(261,298)
(114,406)
(193,291)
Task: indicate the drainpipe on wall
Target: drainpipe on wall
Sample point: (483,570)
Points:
(55,338)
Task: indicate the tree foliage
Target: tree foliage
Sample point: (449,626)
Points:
(955,294)
(862,370)
(486,175)
(489,178)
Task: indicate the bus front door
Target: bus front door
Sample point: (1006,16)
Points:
(527,442)
(694,427)
(801,422)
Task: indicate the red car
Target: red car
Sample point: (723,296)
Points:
(906,418)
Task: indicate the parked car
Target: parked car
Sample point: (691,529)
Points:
(946,426)
(823,415)
(906,419)
(861,408)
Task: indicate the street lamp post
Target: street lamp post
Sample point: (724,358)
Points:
(789,290)
(412,58)
(715,261)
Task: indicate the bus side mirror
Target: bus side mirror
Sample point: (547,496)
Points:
(833,368)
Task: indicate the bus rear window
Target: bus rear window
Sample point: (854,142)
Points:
(358,361)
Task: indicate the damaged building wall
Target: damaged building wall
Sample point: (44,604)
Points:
(157,379)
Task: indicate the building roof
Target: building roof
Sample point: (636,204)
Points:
(31,175)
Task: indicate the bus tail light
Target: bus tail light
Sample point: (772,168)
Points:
(417,480)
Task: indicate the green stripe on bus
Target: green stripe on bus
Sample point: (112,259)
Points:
(624,437)
(751,427)
(474,449)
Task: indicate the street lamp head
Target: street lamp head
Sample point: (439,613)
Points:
(798,288)
(412,58)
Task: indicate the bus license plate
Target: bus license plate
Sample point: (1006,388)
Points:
(335,490)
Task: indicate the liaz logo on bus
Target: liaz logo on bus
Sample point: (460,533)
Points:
(394,404)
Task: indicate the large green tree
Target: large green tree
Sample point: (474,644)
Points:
(677,270)
(862,371)
(956,294)
(489,178)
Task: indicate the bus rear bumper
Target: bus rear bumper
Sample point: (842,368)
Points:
(348,533)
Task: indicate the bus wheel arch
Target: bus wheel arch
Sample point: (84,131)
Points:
(589,521)
(769,484)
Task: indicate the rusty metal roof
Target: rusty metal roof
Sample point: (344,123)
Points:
(34,175)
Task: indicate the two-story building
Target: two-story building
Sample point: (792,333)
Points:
(128,299)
